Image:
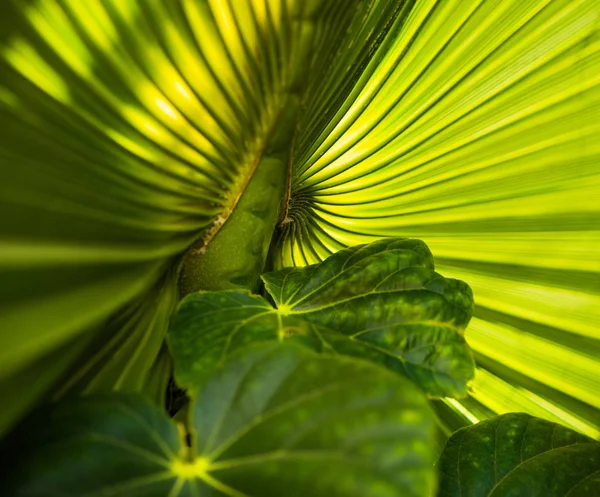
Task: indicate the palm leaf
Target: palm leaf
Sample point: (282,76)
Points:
(126,137)
(129,127)
(477,131)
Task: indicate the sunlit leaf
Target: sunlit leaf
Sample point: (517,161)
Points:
(129,127)
(475,129)
(128,130)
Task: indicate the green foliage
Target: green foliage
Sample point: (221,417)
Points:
(517,455)
(303,397)
(381,301)
(130,129)
(273,420)
(155,148)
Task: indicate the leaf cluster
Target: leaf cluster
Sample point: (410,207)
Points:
(317,387)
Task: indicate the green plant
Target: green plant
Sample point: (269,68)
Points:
(311,396)
(153,150)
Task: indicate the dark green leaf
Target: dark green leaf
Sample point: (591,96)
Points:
(300,287)
(388,299)
(211,325)
(519,455)
(280,420)
(275,420)
(119,445)
(571,471)
(387,282)
(381,302)
(435,357)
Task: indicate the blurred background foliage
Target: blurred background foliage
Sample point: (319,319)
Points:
(128,127)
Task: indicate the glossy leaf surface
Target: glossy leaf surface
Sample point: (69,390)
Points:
(268,423)
(386,296)
(519,455)
(381,302)
(370,287)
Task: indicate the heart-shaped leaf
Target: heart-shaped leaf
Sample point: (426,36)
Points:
(390,282)
(380,301)
(300,287)
(519,455)
(396,309)
(280,420)
(273,420)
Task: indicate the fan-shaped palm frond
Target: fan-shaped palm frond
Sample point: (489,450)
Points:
(475,128)
(130,128)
